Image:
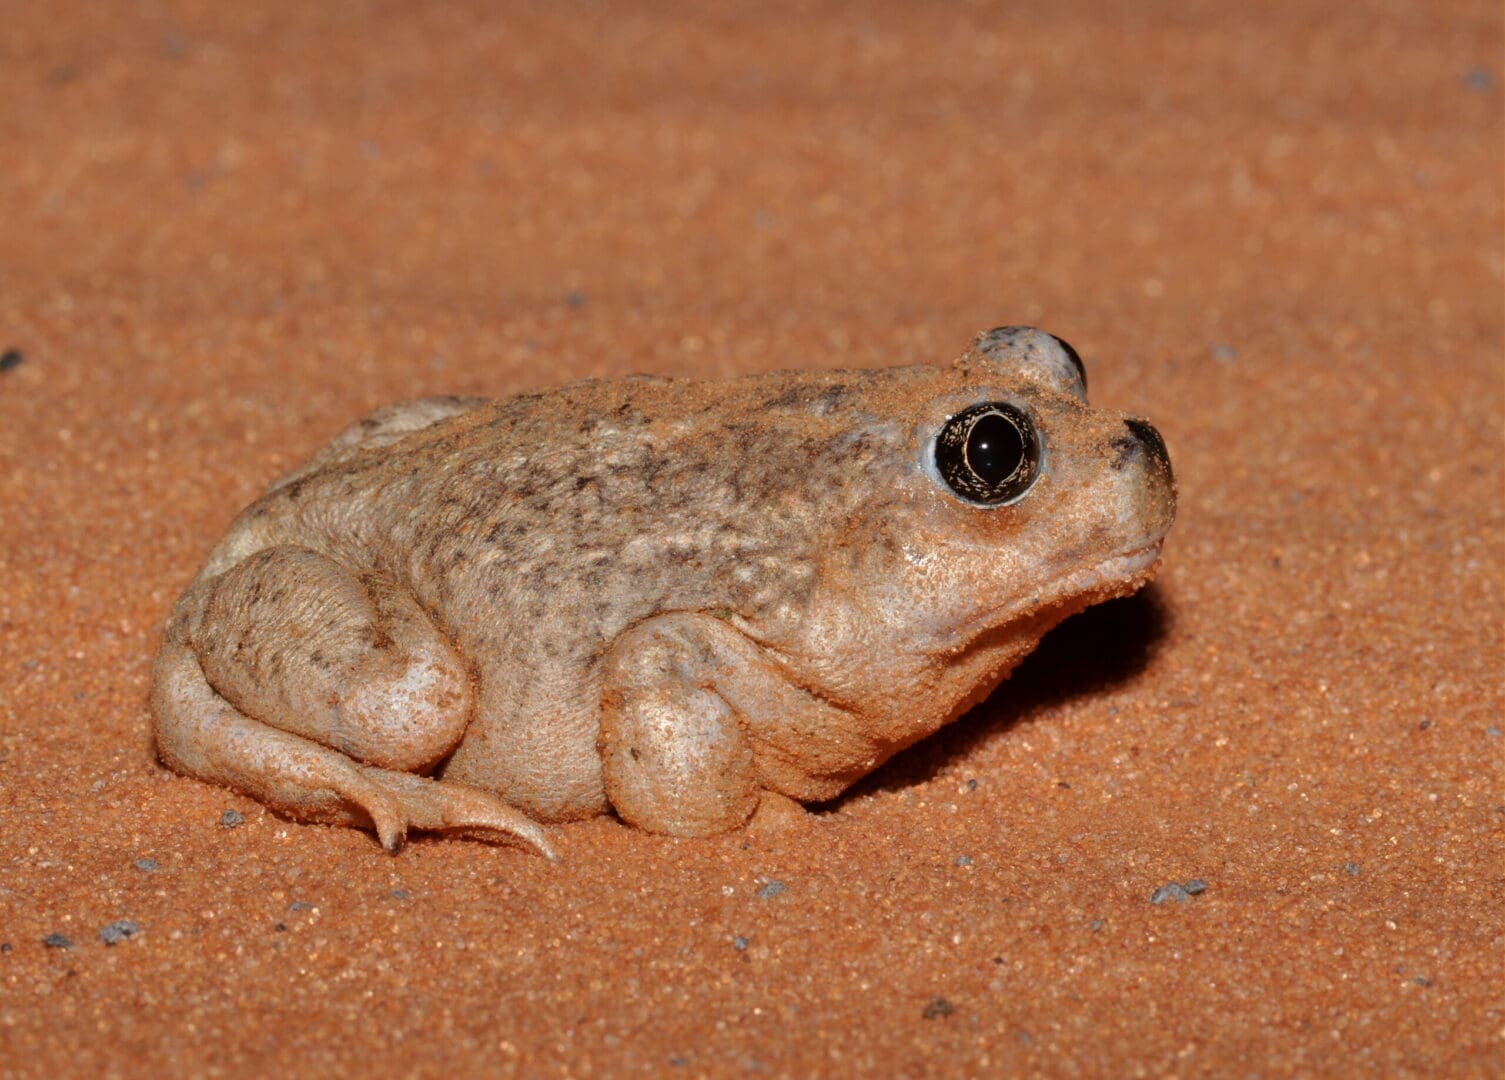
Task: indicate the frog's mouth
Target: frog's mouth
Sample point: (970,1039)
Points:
(1117,575)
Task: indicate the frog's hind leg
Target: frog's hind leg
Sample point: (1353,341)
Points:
(321,693)
(201,734)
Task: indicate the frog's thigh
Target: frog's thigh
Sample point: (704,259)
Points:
(293,639)
(684,701)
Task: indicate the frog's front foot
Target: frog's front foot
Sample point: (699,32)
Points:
(315,690)
(691,741)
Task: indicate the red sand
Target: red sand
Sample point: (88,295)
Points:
(1277,235)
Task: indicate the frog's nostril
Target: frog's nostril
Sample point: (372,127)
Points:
(1150,440)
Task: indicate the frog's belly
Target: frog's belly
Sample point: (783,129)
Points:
(542,760)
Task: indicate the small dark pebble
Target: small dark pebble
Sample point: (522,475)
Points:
(1492,731)
(118,931)
(300,905)
(678,1061)
(971,785)
(1478,78)
(575,299)
(146,866)
(1170,891)
(5,946)
(740,944)
(400,894)
(1421,980)
(964,860)
(1095,925)
(281,928)
(230,819)
(57,941)
(771,889)
(1195,887)
(1063,785)
(937,1008)
(11,359)
(1351,869)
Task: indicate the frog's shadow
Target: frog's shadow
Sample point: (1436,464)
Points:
(1089,652)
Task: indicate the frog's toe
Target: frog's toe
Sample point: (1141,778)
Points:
(444,806)
(388,816)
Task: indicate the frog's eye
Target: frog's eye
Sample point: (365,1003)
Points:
(988,454)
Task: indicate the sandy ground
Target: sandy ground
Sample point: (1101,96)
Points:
(1277,235)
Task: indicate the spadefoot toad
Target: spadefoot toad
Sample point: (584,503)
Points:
(669,599)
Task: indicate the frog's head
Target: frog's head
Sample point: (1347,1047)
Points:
(1010,503)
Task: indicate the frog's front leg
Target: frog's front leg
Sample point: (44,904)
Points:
(698,723)
(322,692)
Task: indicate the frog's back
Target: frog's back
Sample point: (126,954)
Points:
(617,497)
(671,485)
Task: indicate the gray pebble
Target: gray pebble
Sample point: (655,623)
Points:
(146,866)
(1351,869)
(1223,354)
(230,819)
(964,860)
(1478,78)
(740,944)
(1171,890)
(118,931)
(1195,887)
(771,889)
(1421,980)
(300,905)
(11,359)
(57,941)
(1096,924)
(1492,731)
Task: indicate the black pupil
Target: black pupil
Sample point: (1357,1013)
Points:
(995,448)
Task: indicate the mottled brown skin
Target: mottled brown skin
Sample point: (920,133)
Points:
(671,599)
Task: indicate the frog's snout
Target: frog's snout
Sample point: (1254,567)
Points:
(1151,445)
(1139,454)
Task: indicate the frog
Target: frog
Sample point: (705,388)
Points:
(687,602)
